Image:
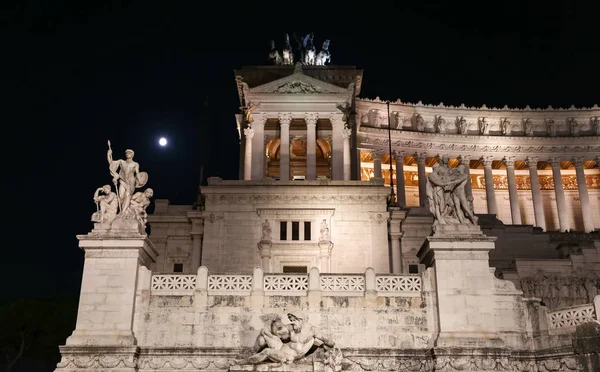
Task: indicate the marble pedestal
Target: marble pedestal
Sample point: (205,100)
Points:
(464,286)
(103,336)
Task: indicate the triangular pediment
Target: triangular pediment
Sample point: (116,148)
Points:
(298,83)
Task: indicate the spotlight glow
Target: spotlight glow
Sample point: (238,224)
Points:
(162,141)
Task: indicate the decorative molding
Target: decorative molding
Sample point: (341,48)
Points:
(295,212)
(294,198)
(430,144)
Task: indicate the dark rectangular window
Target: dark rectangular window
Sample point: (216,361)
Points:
(178,268)
(295,270)
(306,230)
(283,230)
(413,269)
(295,230)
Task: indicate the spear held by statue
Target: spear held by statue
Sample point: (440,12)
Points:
(114,174)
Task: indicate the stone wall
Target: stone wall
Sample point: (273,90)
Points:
(228,311)
(353,211)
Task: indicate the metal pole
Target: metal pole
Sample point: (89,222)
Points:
(392,193)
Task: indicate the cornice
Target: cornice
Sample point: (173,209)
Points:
(398,104)
(460,144)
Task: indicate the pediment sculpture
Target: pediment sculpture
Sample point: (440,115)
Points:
(124,203)
(292,343)
(298,87)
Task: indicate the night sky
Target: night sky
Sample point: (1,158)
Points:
(76,74)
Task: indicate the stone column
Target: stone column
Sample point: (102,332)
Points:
(396,218)
(513,194)
(466,160)
(584,198)
(347,133)
(377,154)
(422,178)
(258,146)
(490,194)
(337,146)
(561,203)
(197,233)
(311,145)
(536,194)
(284,146)
(324,256)
(108,289)
(400,186)
(249,132)
(264,249)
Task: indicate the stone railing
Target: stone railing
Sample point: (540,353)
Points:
(571,316)
(389,285)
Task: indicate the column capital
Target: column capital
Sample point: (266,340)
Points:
(532,161)
(346,133)
(377,153)
(421,157)
(487,161)
(260,118)
(509,161)
(464,159)
(249,132)
(399,153)
(578,161)
(336,118)
(284,118)
(554,161)
(311,118)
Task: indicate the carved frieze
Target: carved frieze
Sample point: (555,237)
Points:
(289,198)
(500,181)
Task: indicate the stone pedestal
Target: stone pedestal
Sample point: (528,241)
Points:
(464,286)
(106,306)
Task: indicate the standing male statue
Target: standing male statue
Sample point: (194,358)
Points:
(128,177)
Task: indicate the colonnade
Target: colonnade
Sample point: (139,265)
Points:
(254,152)
(509,162)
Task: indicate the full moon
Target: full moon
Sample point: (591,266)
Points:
(162,141)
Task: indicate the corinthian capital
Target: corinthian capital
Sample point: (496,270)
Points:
(532,161)
(509,161)
(377,153)
(284,118)
(487,160)
(346,133)
(554,161)
(311,118)
(249,132)
(578,161)
(336,119)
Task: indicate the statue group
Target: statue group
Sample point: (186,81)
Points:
(305,53)
(448,200)
(124,202)
(288,343)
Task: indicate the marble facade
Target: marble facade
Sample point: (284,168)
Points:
(309,226)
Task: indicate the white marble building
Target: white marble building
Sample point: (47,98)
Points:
(310,225)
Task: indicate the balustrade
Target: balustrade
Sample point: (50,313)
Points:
(389,285)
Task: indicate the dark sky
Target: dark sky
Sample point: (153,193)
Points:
(78,73)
